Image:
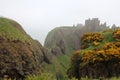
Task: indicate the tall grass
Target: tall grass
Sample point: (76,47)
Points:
(47,76)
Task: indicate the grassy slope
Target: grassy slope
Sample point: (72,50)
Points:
(60,64)
(9,31)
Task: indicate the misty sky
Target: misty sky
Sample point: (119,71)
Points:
(38,17)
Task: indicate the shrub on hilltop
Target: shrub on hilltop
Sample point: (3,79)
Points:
(91,37)
(116,35)
(101,61)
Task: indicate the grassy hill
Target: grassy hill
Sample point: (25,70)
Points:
(20,55)
(11,30)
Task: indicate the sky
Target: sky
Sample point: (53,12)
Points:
(38,17)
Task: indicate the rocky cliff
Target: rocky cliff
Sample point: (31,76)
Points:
(59,39)
(20,55)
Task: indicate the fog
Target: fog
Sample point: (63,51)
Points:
(38,17)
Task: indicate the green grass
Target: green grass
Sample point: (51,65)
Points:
(113,78)
(46,76)
(9,31)
(43,76)
(108,37)
(49,76)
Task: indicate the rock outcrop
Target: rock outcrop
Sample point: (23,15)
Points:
(61,38)
(20,55)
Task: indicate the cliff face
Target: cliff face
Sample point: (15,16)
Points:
(20,55)
(61,39)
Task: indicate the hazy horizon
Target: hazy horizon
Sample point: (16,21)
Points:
(38,17)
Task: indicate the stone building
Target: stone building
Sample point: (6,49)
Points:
(94,25)
(91,24)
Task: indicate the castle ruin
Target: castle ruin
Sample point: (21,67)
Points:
(94,25)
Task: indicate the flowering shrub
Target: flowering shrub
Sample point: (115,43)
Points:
(116,35)
(91,37)
(95,43)
(100,61)
(107,52)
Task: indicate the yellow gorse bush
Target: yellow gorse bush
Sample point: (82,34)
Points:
(91,37)
(103,58)
(116,35)
(107,52)
(95,43)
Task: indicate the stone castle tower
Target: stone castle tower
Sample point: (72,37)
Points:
(92,24)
